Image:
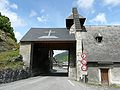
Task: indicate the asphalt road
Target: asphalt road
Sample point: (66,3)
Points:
(50,83)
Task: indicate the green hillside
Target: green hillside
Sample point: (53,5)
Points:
(8,45)
(7,36)
(62,57)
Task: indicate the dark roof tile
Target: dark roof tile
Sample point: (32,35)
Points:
(108,49)
(48,34)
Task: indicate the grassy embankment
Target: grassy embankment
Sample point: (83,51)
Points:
(7,60)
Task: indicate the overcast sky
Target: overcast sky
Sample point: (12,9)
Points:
(25,14)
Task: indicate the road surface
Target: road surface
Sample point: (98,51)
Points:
(50,83)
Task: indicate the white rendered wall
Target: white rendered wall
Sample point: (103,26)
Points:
(114,75)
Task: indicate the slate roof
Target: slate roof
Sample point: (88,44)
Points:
(106,51)
(48,34)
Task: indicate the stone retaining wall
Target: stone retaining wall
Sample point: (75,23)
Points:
(10,75)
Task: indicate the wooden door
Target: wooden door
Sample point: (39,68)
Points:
(104,77)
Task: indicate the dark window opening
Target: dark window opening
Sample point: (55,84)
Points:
(99,39)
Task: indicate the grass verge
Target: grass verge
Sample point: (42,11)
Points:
(7,60)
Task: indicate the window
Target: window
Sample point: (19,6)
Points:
(99,38)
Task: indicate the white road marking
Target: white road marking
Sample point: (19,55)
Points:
(71,83)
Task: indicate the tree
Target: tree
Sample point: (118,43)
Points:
(5,25)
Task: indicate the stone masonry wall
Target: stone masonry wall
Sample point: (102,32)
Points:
(78,54)
(79,38)
(25,51)
(9,75)
(93,75)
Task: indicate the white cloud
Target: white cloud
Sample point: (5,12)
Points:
(32,13)
(16,21)
(14,6)
(86,4)
(5,9)
(100,18)
(111,2)
(42,19)
(18,36)
(39,19)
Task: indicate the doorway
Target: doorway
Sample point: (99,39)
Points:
(104,77)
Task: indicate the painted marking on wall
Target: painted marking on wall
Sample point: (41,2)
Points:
(49,35)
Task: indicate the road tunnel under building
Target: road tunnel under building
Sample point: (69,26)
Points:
(41,63)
